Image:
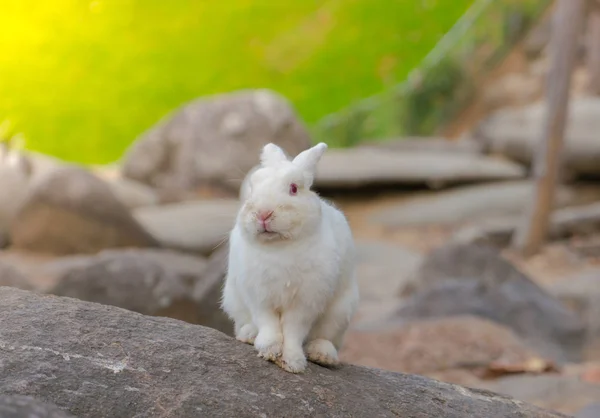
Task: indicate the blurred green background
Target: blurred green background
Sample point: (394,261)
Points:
(82,79)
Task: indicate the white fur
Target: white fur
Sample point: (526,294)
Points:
(294,289)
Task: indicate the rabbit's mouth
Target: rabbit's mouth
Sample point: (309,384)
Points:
(268,235)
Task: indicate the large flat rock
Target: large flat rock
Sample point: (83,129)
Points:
(197,226)
(97,361)
(348,168)
(515,133)
(471,203)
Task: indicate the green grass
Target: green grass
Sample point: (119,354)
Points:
(82,79)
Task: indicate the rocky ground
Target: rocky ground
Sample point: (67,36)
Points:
(442,293)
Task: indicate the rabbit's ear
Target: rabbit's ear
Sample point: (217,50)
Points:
(307,160)
(272,155)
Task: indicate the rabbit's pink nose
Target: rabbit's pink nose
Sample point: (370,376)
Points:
(264,215)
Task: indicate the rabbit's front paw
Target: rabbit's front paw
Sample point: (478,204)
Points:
(322,352)
(247,334)
(292,361)
(269,344)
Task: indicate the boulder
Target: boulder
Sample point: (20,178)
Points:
(435,345)
(208,292)
(132,193)
(96,360)
(381,269)
(28,407)
(14,179)
(214,140)
(590,411)
(425,144)
(10,276)
(73,212)
(470,203)
(566,393)
(515,133)
(582,294)
(31,267)
(198,226)
(152,282)
(355,167)
(477,280)
(564,223)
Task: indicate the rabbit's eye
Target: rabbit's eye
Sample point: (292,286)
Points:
(293,189)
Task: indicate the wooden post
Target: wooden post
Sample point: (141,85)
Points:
(593,47)
(568,20)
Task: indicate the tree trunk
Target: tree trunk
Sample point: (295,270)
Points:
(593,48)
(568,21)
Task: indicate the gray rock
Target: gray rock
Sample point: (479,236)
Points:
(564,393)
(95,360)
(348,168)
(214,140)
(73,212)
(151,282)
(515,132)
(590,411)
(208,292)
(14,181)
(382,268)
(477,280)
(10,276)
(436,345)
(198,226)
(132,193)
(31,266)
(426,144)
(564,223)
(469,203)
(582,295)
(27,407)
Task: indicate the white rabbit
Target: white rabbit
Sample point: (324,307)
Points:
(291,283)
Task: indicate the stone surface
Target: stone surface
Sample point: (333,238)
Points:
(132,193)
(91,359)
(381,270)
(31,266)
(14,181)
(198,226)
(348,168)
(564,223)
(590,411)
(28,407)
(10,276)
(477,280)
(563,393)
(151,282)
(425,144)
(515,132)
(468,203)
(214,140)
(435,345)
(582,294)
(71,212)
(208,292)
